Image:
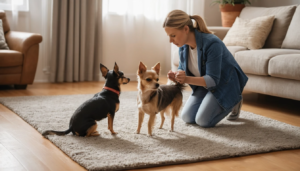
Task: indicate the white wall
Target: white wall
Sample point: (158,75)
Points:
(212,14)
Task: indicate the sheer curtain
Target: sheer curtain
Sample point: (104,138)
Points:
(15,12)
(14,6)
(133,32)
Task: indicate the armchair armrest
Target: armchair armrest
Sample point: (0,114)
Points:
(28,45)
(22,41)
(219,31)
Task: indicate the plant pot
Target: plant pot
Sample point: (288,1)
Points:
(229,13)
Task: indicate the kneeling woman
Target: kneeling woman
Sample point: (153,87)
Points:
(208,67)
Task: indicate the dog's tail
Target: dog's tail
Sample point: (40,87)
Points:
(180,86)
(50,132)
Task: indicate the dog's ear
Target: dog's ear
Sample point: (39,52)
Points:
(103,70)
(116,69)
(156,68)
(142,68)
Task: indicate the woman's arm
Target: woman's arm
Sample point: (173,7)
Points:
(214,61)
(181,77)
(197,81)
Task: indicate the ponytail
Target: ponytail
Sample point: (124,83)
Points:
(178,19)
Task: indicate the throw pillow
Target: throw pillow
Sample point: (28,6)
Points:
(251,34)
(3,44)
(283,16)
(292,38)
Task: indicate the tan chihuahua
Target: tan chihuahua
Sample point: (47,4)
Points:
(153,98)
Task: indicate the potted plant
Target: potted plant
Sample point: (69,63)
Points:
(230,9)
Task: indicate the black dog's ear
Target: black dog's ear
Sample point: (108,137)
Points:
(103,70)
(116,69)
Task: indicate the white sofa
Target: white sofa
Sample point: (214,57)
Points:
(274,69)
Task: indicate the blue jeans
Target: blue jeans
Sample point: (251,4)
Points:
(203,109)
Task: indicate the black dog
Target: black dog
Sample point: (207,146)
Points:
(103,104)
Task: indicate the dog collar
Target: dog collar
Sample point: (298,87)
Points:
(113,90)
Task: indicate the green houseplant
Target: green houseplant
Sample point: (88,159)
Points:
(230,9)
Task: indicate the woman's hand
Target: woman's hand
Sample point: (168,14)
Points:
(171,75)
(180,76)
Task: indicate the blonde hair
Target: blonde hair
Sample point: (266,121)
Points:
(178,19)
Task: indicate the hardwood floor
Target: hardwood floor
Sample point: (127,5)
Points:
(23,148)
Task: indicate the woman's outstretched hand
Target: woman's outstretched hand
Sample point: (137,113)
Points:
(180,76)
(171,75)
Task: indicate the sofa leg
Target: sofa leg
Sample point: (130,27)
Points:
(20,86)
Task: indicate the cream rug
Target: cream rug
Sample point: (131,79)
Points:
(189,143)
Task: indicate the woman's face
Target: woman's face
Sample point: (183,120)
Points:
(177,36)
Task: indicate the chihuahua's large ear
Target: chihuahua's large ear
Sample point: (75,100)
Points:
(103,70)
(142,68)
(156,68)
(116,69)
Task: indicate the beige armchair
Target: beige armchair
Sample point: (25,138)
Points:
(18,64)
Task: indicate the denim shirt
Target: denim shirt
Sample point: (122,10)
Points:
(215,61)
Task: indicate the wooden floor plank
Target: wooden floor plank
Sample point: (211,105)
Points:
(8,161)
(21,153)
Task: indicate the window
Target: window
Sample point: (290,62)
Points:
(20,5)
(151,9)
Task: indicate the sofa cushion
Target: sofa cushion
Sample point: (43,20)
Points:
(257,61)
(10,58)
(234,49)
(283,17)
(292,38)
(249,33)
(285,66)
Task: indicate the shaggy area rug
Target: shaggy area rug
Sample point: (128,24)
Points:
(189,143)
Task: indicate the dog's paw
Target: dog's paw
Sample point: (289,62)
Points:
(170,130)
(160,127)
(137,132)
(149,135)
(114,133)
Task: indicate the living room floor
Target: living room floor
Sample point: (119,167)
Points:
(23,148)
